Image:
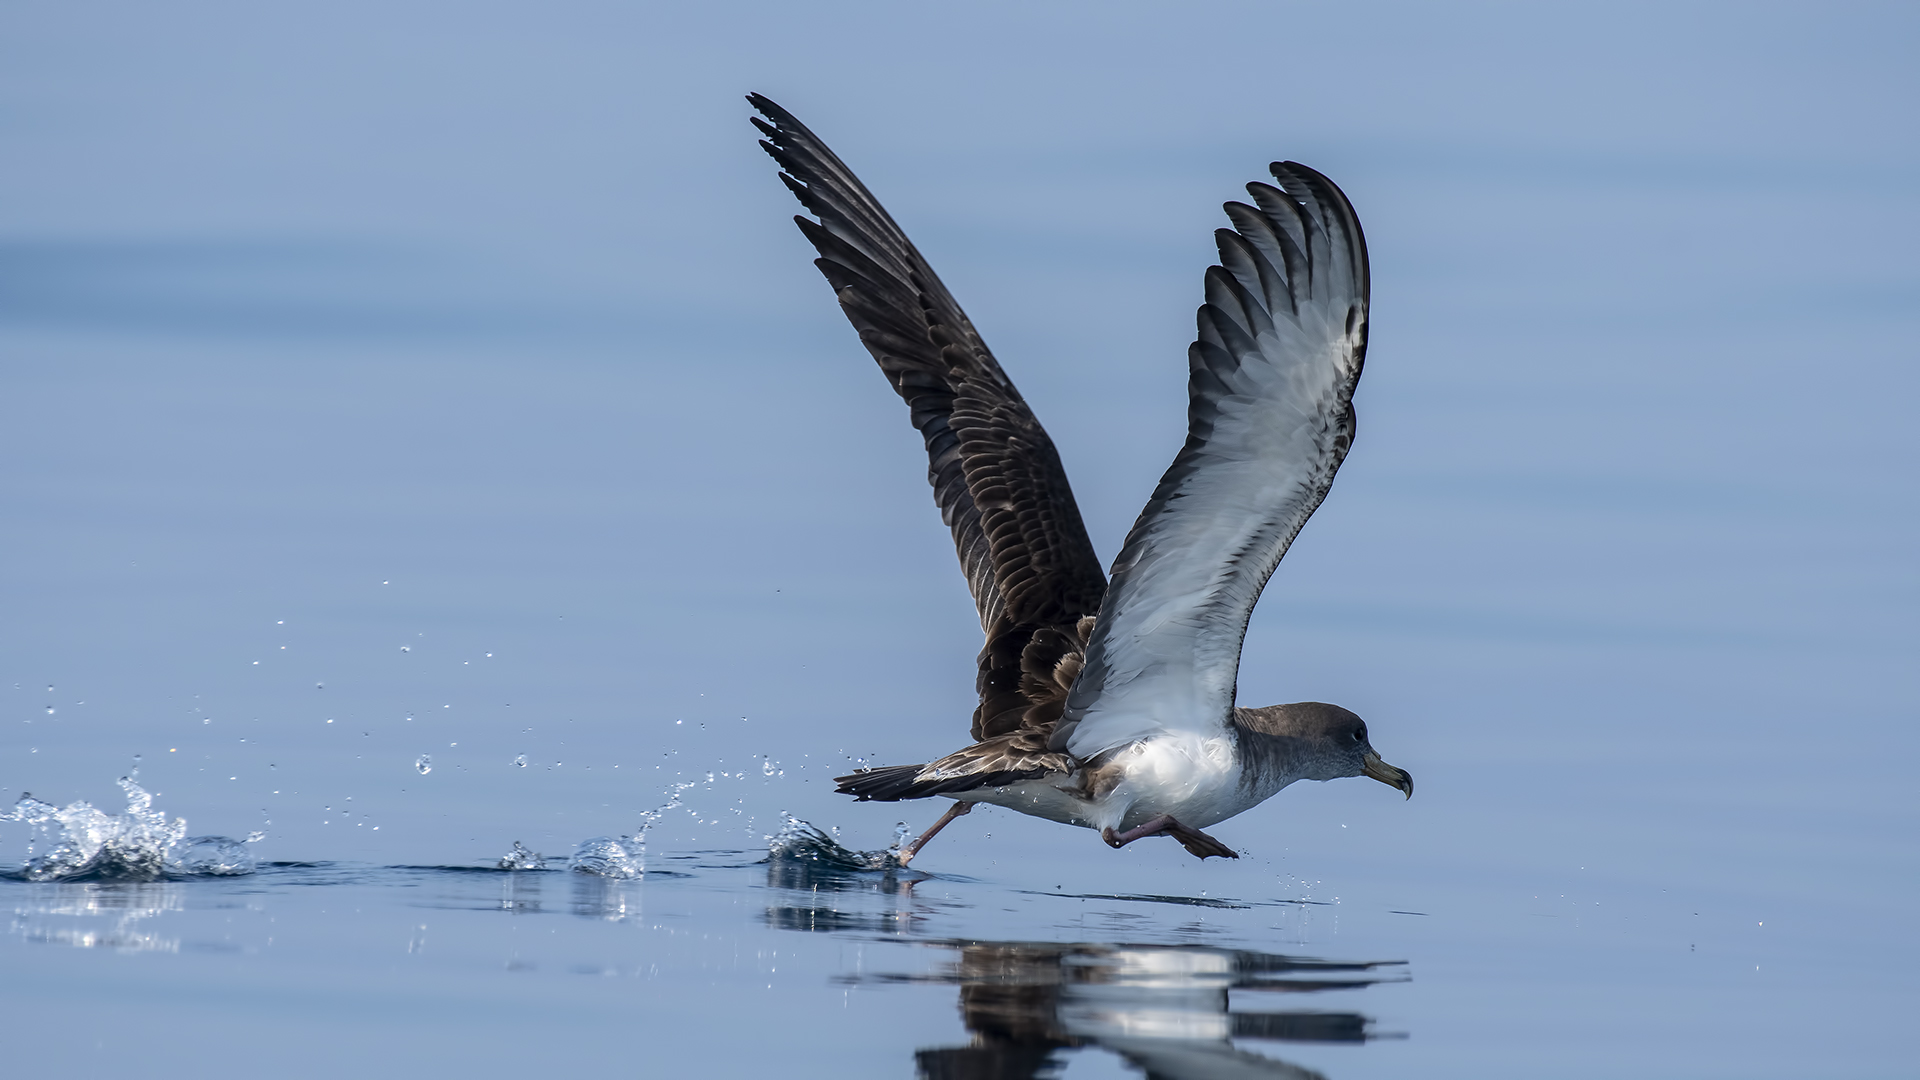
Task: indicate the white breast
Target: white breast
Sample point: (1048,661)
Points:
(1194,777)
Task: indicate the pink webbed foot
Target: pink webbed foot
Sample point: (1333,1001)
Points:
(1197,843)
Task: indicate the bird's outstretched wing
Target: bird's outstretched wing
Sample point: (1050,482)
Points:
(995,474)
(1282,337)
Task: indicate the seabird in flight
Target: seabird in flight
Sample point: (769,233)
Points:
(1109,704)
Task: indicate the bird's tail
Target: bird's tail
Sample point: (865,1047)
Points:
(888,783)
(891,783)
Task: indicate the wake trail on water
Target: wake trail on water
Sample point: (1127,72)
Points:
(81,842)
(625,857)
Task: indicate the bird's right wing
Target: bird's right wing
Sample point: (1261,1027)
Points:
(995,474)
(1282,337)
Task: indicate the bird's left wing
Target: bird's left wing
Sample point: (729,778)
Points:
(995,474)
(1282,337)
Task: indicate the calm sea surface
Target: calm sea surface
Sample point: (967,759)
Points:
(800,961)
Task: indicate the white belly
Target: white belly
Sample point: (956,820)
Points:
(1197,779)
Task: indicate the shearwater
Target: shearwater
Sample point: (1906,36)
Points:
(1110,704)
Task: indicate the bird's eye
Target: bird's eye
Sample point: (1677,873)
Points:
(1360,735)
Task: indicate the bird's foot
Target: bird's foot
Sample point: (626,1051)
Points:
(1197,843)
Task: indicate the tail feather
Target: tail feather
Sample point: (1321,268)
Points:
(891,783)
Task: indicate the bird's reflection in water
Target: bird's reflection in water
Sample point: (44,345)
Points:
(1166,1009)
(1172,1011)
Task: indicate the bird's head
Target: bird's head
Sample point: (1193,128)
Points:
(1329,742)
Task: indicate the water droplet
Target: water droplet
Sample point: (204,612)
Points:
(49,710)
(766,768)
(521,761)
(424,764)
(405,648)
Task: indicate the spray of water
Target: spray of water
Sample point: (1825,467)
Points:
(803,841)
(521,857)
(624,857)
(83,842)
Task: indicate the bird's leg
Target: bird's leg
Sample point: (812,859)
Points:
(956,810)
(1196,842)
(1153,826)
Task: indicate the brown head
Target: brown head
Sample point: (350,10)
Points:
(1323,742)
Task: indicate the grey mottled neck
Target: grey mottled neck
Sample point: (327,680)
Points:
(1269,761)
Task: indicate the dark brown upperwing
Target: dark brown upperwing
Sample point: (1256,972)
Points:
(996,476)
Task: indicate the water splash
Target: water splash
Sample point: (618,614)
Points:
(803,841)
(624,857)
(521,858)
(216,856)
(84,842)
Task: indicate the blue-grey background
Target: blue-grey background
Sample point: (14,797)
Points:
(380,381)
